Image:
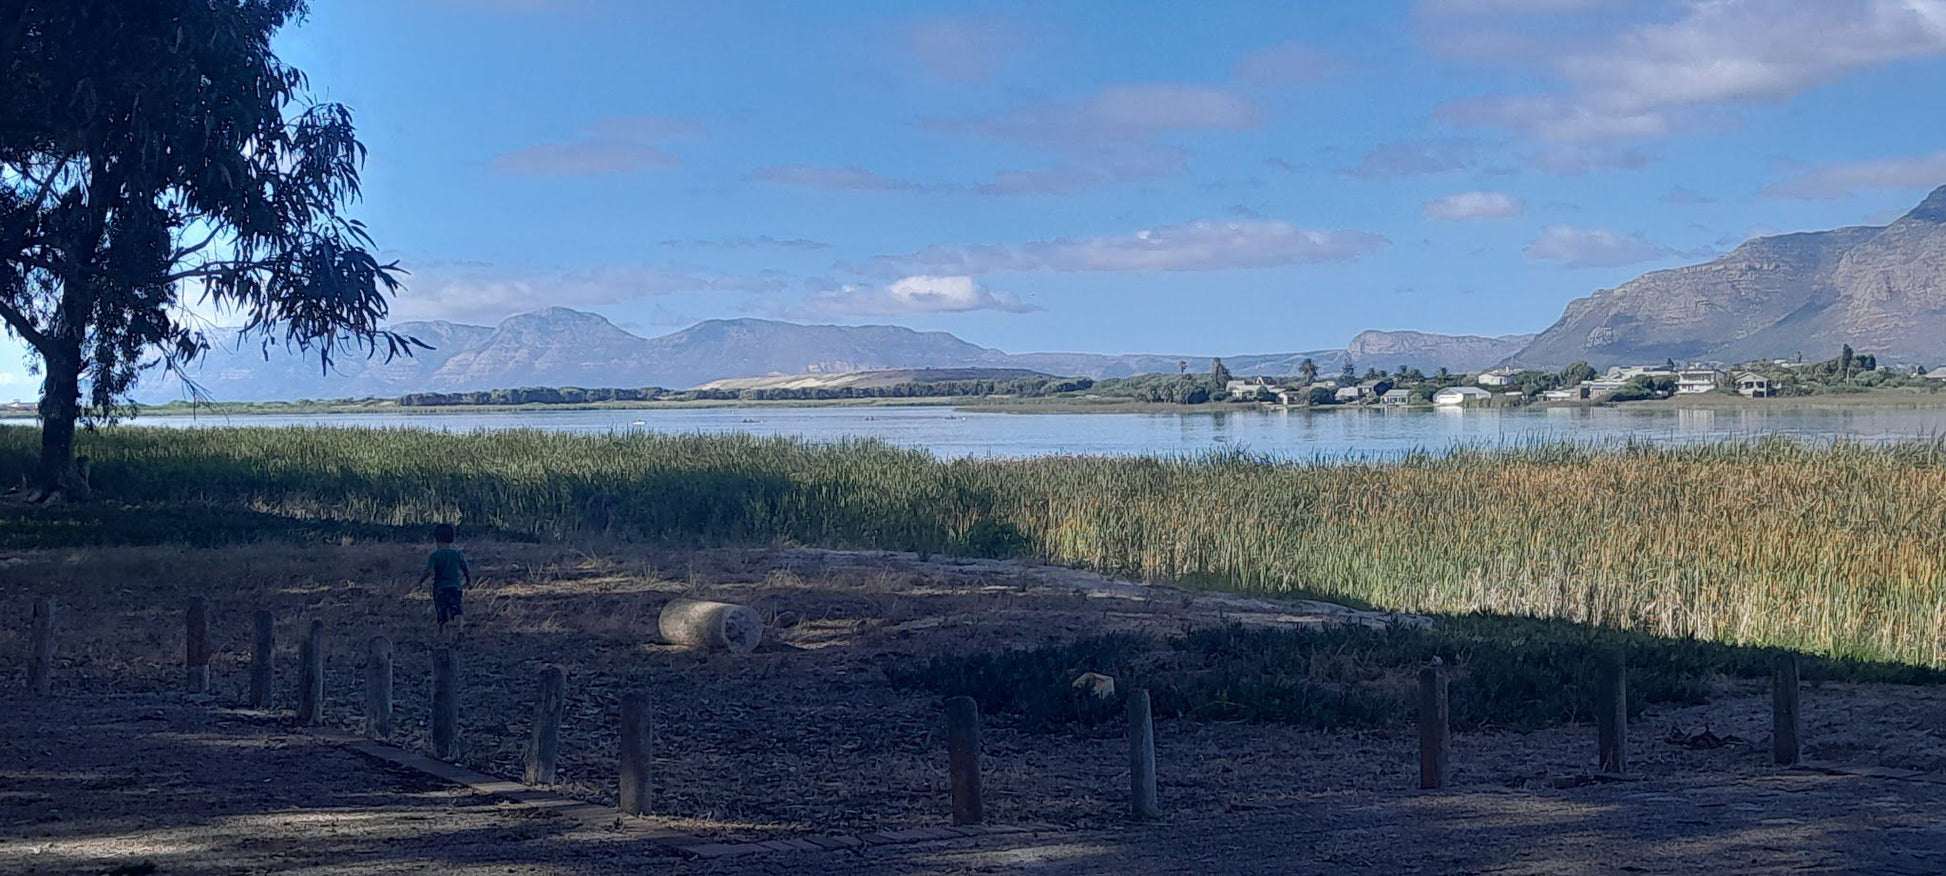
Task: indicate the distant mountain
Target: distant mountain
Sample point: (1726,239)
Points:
(1880,289)
(562,347)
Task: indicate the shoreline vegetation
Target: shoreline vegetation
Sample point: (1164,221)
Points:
(1831,548)
(1846,380)
(1881,397)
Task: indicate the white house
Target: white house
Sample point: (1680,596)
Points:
(1350,394)
(1251,389)
(1572,393)
(1754,386)
(1496,377)
(1457,396)
(1696,382)
(1936,374)
(1625,373)
(1396,397)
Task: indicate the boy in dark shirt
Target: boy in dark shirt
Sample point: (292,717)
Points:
(450,577)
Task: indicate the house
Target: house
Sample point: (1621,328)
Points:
(1461,396)
(1350,393)
(1936,374)
(1396,397)
(1625,373)
(1251,389)
(1696,382)
(1572,393)
(1754,386)
(1496,377)
(1599,388)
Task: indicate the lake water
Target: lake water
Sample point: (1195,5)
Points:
(1287,434)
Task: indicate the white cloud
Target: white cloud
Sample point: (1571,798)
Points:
(1475,205)
(1197,246)
(1593,247)
(1841,180)
(1105,138)
(1116,113)
(1092,168)
(1285,64)
(1415,158)
(1507,7)
(1741,50)
(484,292)
(1583,158)
(517,5)
(759,242)
(848,177)
(914,295)
(1665,76)
(1559,118)
(583,158)
(620,144)
(1686,195)
(963,49)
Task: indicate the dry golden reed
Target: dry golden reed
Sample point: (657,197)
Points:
(1835,548)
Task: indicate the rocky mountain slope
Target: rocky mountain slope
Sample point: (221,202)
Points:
(1880,289)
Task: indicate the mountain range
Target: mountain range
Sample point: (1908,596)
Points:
(1881,289)
(563,347)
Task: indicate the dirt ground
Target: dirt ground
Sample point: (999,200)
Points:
(806,736)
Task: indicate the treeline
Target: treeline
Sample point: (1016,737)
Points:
(1181,389)
(1025,387)
(532,395)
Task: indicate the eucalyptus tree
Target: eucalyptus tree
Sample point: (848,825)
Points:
(155,155)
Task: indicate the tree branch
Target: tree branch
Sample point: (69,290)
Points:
(188,251)
(23,327)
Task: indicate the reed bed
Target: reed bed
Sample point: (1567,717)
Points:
(1833,548)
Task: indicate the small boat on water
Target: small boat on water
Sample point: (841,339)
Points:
(640,423)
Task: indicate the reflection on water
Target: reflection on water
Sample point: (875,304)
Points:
(1285,434)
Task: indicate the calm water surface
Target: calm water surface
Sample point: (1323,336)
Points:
(1289,434)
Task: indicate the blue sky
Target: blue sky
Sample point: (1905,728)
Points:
(1219,177)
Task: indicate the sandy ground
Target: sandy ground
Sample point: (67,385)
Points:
(806,735)
(141,783)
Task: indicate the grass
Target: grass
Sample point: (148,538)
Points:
(1833,549)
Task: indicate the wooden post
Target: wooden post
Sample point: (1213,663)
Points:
(195,646)
(378,687)
(1141,757)
(1434,750)
(264,625)
(1785,724)
(310,675)
(1611,712)
(963,759)
(445,703)
(545,741)
(40,659)
(636,753)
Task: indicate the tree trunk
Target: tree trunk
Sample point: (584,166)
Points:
(60,408)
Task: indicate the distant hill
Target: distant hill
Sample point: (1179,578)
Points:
(1880,289)
(563,347)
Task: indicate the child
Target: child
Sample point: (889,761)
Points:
(450,577)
